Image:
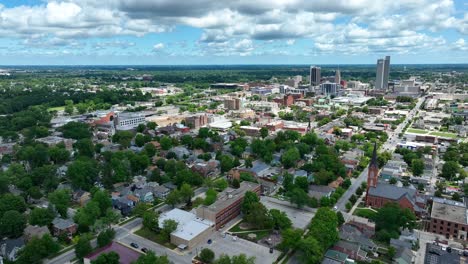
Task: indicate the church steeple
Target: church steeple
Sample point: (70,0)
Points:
(373,170)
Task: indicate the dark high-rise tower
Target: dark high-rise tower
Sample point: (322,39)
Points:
(315,75)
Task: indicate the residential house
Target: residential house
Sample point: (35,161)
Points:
(404,256)
(352,234)
(319,191)
(161,191)
(181,152)
(144,194)
(81,197)
(353,250)
(123,204)
(35,231)
(268,186)
(63,226)
(9,248)
(211,168)
(334,257)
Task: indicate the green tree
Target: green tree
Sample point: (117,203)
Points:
(169,226)
(340,217)
(280,219)
(76,130)
(450,170)
(298,197)
(173,198)
(391,252)
(151,220)
(10,202)
(69,108)
(41,216)
(290,157)
(390,218)
(258,216)
(83,172)
(166,142)
(103,200)
(107,258)
(151,258)
(264,132)
(85,147)
(211,196)
(12,223)
(105,237)
(124,138)
(250,198)
(207,255)
(288,182)
(291,238)
(186,192)
(37,249)
(417,167)
(302,182)
(323,227)
(310,251)
(83,246)
(60,199)
(59,155)
(456,197)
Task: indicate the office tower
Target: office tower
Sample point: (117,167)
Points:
(314,75)
(379,79)
(386,71)
(383,70)
(337,77)
(329,89)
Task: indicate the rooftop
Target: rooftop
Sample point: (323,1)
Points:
(230,195)
(189,226)
(449,211)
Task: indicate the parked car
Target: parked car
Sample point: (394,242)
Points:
(271,250)
(144,250)
(135,245)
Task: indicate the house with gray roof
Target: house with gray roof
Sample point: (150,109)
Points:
(353,250)
(319,191)
(9,248)
(63,226)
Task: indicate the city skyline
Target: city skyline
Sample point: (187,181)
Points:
(205,32)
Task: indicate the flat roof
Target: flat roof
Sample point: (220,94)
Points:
(449,211)
(230,195)
(189,226)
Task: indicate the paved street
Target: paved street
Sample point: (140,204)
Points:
(390,146)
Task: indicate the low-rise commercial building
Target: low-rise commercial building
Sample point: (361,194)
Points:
(191,229)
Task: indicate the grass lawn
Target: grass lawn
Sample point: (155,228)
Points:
(57,108)
(366,213)
(155,237)
(260,235)
(444,134)
(416,131)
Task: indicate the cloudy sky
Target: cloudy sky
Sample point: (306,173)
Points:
(232,31)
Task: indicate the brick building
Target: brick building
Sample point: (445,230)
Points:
(196,121)
(448,218)
(228,204)
(380,193)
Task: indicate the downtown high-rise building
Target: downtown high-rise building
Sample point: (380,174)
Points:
(337,76)
(383,71)
(315,75)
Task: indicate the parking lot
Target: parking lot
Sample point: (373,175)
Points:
(227,245)
(300,218)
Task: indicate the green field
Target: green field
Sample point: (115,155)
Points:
(366,213)
(417,131)
(431,133)
(444,134)
(155,237)
(57,108)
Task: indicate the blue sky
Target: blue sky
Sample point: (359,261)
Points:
(155,32)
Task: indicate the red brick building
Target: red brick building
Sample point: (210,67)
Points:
(448,218)
(228,204)
(380,193)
